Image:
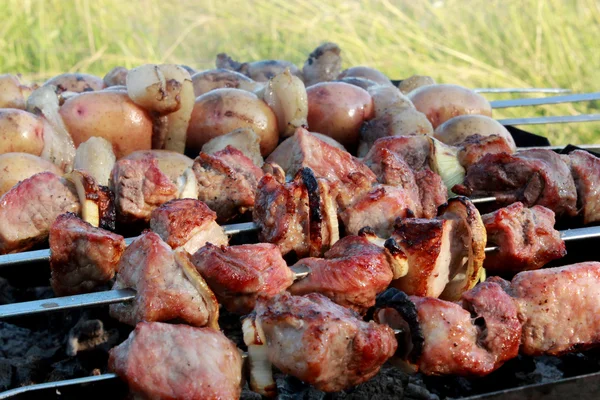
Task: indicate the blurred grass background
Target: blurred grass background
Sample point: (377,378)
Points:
(475,43)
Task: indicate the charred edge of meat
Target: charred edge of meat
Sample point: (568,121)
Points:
(461,199)
(106,205)
(392,246)
(366,231)
(400,302)
(314,203)
(274,170)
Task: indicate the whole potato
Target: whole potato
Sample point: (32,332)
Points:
(338,110)
(442,102)
(171,163)
(457,129)
(20,131)
(76,82)
(15,167)
(220,111)
(110,115)
(12,92)
(116,77)
(366,73)
(414,82)
(205,81)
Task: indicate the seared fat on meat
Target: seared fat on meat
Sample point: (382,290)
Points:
(167,285)
(351,273)
(83,258)
(586,172)
(476,146)
(322,343)
(526,239)
(187,223)
(28,210)
(239,274)
(164,361)
(227,182)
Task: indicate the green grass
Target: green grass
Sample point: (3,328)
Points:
(475,43)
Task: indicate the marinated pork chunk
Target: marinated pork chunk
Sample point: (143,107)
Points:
(558,308)
(525,236)
(28,210)
(476,146)
(378,209)
(322,343)
(83,258)
(351,273)
(163,361)
(432,191)
(227,181)
(352,177)
(586,172)
(139,187)
(188,224)
(413,150)
(298,216)
(239,274)
(536,176)
(167,285)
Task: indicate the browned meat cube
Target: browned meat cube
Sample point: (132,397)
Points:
(586,172)
(28,210)
(239,274)
(163,361)
(525,236)
(188,224)
(139,187)
(351,273)
(476,146)
(167,284)
(322,343)
(536,176)
(413,150)
(83,258)
(432,191)
(227,181)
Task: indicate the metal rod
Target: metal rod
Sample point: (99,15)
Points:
(570,98)
(559,119)
(56,385)
(522,90)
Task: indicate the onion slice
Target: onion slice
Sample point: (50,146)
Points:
(261,369)
(87,190)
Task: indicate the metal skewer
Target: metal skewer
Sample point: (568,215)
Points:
(521,90)
(538,101)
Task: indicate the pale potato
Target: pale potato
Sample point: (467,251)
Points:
(219,78)
(15,167)
(220,111)
(366,73)
(110,115)
(442,102)
(456,130)
(76,82)
(414,82)
(116,77)
(20,131)
(171,163)
(13,93)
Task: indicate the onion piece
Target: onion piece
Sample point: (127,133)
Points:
(87,190)
(286,95)
(96,157)
(187,185)
(443,160)
(261,369)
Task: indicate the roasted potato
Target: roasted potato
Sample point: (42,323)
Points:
(15,167)
(13,93)
(76,82)
(388,99)
(116,77)
(110,115)
(20,131)
(457,129)
(442,102)
(205,81)
(171,163)
(221,111)
(366,73)
(416,81)
(338,110)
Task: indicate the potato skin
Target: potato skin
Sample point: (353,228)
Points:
(20,131)
(212,79)
(338,109)
(110,115)
(15,167)
(442,102)
(457,129)
(366,73)
(11,92)
(76,82)
(220,111)
(171,163)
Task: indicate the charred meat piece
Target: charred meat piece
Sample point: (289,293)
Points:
(391,169)
(378,209)
(83,258)
(139,187)
(526,238)
(167,284)
(163,361)
(187,223)
(304,149)
(351,273)
(239,274)
(322,343)
(299,216)
(476,146)
(586,172)
(227,181)
(536,176)
(28,210)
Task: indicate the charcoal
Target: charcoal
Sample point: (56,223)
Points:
(88,335)
(6,374)
(546,370)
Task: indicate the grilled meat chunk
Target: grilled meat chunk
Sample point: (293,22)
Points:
(167,285)
(322,343)
(163,361)
(239,274)
(227,182)
(413,150)
(586,172)
(83,258)
(187,223)
(140,186)
(536,176)
(28,210)
(476,146)
(432,191)
(526,238)
(351,273)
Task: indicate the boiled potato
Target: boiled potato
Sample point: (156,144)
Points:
(15,167)
(442,102)
(416,81)
(205,81)
(13,94)
(220,111)
(457,129)
(366,73)
(116,77)
(20,131)
(388,99)
(338,110)
(110,115)
(76,82)
(171,163)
